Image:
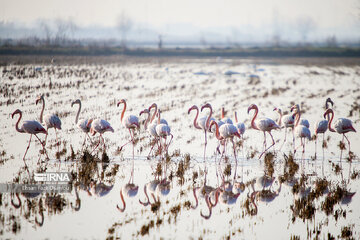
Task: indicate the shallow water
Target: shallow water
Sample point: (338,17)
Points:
(174,87)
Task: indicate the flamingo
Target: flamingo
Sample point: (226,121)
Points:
(300,131)
(163,131)
(203,122)
(149,187)
(226,131)
(342,126)
(50,120)
(82,123)
(99,126)
(288,122)
(131,122)
(264,125)
(151,129)
(322,125)
(240,126)
(303,121)
(31,127)
(154,105)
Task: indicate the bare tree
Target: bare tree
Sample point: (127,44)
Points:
(124,24)
(305,25)
(45,26)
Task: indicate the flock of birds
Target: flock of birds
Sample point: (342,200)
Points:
(224,129)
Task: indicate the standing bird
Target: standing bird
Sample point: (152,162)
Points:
(264,125)
(300,131)
(50,120)
(203,122)
(163,131)
(322,125)
(99,126)
(342,126)
(131,122)
(150,129)
(225,132)
(82,123)
(240,126)
(223,118)
(31,127)
(303,121)
(288,122)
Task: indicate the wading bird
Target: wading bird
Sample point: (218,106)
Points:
(286,121)
(322,125)
(300,131)
(342,126)
(163,131)
(81,123)
(131,122)
(50,120)
(30,127)
(99,126)
(264,125)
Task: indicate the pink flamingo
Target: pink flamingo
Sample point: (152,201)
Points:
(130,190)
(50,120)
(322,125)
(163,131)
(151,129)
(81,123)
(99,126)
(30,127)
(287,121)
(342,126)
(264,125)
(240,126)
(225,132)
(300,131)
(131,122)
(203,122)
(223,118)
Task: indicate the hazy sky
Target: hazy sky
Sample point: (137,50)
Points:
(326,13)
(336,16)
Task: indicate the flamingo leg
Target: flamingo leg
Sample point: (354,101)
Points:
(152,147)
(96,145)
(27,148)
(347,141)
(342,141)
(323,145)
(273,143)
(284,139)
(57,142)
(43,145)
(87,134)
(205,155)
(316,145)
(234,148)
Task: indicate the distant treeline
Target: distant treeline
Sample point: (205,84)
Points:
(183,52)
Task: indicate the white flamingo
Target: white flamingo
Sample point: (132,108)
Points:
(163,131)
(286,121)
(30,127)
(99,126)
(300,131)
(342,126)
(131,122)
(50,120)
(264,125)
(322,125)
(81,123)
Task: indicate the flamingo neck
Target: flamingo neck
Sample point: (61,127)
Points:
(78,113)
(42,110)
(297,118)
(154,114)
(123,111)
(253,125)
(330,121)
(217,133)
(147,120)
(17,124)
(146,194)
(280,117)
(196,125)
(235,115)
(159,117)
(196,199)
(222,113)
(208,118)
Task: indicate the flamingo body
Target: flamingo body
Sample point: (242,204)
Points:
(100,126)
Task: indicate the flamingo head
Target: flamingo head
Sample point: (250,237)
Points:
(328,100)
(77,101)
(144,111)
(277,110)
(295,107)
(154,105)
(206,106)
(328,111)
(39,98)
(192,108)
(17,111)
(252,106)
(121,101)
